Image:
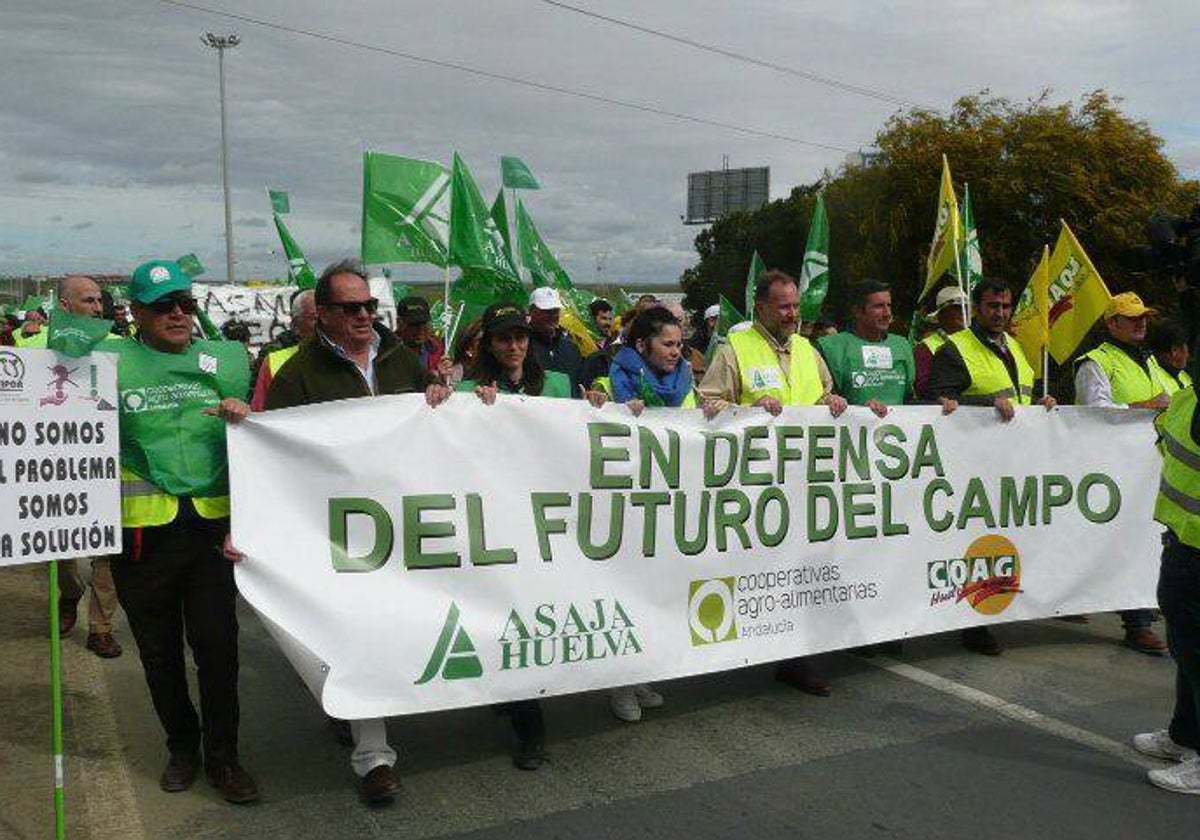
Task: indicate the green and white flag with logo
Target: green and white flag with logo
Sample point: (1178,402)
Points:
(970,258)
(475,238)
(814,274)
(75,335)
(279,201)
(406,210)
(757,267)
(516,175)
(190,265)
(299,270)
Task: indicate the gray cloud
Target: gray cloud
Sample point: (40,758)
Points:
(82,225)
(251,222)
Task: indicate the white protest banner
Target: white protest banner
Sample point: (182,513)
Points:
(266,310)
(60,476)
(413,559)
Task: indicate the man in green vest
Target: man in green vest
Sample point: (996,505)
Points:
(1178,508)
(1119,374)
(174,576)
(869,365)
(983,366)
(949,305)
(80,295)
(770,365)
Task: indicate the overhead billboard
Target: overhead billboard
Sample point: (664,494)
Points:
(720,192)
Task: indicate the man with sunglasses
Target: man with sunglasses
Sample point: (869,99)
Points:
(353,356)
(174,576)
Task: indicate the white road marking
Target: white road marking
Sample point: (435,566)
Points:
(1017,712)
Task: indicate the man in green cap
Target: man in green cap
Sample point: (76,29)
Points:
(174,576)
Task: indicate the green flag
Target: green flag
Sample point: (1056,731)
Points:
(483,287)
(814,274)
(32,302)
(729,317)
(279,201)
(516,175)
(970,259)
(298,268)
(190,265)
(757,267)
(545,269)
(406,210)
(400,290)
(75,335)
(499,215)
(625,302)
(475,240)
(210,330)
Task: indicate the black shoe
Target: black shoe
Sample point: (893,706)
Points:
(799,674)
(234,783)
(529,755)
(179,773)
(379,785)
(981,640)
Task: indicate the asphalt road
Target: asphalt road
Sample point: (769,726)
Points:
(936,742)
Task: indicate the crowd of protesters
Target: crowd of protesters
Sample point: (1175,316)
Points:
(174,578)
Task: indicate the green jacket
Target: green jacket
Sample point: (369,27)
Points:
(318,374)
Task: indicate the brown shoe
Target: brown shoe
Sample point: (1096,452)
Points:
(234,783)
(1073,619)
(798,674)
(103,645)
(179,773)
(68,613)
(379,785)
(1144,641)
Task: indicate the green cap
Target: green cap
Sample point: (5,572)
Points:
(157,278)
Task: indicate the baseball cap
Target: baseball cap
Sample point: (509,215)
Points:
(949,296)
(157,278)
(1127,304)
(544,297)
(713,311)
(413,310)
(501,317)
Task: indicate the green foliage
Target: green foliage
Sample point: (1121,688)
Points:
(1029,165)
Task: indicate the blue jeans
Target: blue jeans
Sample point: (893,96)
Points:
(1179,600)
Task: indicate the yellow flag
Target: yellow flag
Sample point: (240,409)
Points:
(579,333)
(1031,321)
(1077,295)
(947,233)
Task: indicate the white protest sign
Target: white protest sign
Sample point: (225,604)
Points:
(60,476)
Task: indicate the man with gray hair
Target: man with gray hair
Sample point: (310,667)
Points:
(352,356)
(80,295)
(304,325)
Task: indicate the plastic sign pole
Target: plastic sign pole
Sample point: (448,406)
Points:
(56,737)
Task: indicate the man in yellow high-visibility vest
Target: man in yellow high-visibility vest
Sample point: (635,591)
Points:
(304,326)
(771,365)
(984,366)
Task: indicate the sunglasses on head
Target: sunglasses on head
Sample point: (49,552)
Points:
(352,307)
(167,304)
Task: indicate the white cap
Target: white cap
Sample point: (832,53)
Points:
(951,295)
(545,297)
(744,325)
(713,311)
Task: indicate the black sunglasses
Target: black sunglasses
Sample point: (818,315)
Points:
(167,304)
(352,307)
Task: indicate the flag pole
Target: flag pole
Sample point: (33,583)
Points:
(958,274)
(56,730)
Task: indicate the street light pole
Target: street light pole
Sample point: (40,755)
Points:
(220,43)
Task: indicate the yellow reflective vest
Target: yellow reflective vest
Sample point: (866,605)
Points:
(1129,380)
(1178,503)
(38,339)
(933,341)
(1168,382)
(989,377)
(276,358)
(144,504)
(762,376)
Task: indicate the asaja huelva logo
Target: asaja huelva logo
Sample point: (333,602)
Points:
(987,576)
(453,654)
(711,611)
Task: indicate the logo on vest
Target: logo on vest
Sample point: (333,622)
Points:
(208,363)
(764,378)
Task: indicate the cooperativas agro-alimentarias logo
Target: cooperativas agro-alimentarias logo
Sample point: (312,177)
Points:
(712,614)
(987,576)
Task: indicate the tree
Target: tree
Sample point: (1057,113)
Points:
(1028,164)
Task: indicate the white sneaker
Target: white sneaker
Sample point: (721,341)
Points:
(624,704)
(1182,778)
(1160,745)
(647,697)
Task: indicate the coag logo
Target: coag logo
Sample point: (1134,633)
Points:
(711,611)
(453,653)
(12,371)
(987,576)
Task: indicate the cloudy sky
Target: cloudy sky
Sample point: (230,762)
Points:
(110,145)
